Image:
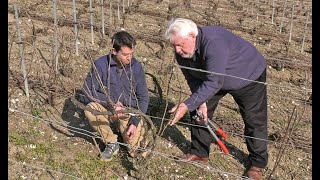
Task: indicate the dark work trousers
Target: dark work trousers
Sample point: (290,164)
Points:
(252,102)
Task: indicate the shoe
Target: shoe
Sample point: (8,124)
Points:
(254,173)
(110,150)
(193,157)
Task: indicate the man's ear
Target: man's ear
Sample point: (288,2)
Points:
(113,51)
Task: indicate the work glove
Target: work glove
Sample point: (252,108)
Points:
(134,120)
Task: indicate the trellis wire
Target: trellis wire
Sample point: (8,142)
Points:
(91,21)
(299,62)
(23,67)
(55,54)
(291,24)
(305,31)
(283,13)
(102,18)
(93,136)
(123,1)
(275,5)
(290,31)
(44,168)
(221,74)
(75,26)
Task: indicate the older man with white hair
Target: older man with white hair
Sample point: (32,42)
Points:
(233,65)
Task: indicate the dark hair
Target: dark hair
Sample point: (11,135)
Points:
(121,39)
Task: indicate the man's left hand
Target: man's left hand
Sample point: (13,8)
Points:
(203,110)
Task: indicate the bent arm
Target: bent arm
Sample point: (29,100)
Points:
(94,88)
(216,58)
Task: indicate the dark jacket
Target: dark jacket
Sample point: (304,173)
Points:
(127,86)
(220,51)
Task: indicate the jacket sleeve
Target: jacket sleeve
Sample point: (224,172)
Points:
(216,57)
(93,88)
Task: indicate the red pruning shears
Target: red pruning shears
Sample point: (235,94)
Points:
(209,125)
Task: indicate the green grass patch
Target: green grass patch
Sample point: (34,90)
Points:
(66,167)
(36,112)
(91,167)
(43,149)
(280,122)
(17,139)
(22,157)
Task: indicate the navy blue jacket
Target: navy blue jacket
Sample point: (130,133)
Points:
(127,86)
(220,51)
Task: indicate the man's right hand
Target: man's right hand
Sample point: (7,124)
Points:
(131,131)
(179,111)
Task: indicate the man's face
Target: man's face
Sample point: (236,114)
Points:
(124,55)
(185,47)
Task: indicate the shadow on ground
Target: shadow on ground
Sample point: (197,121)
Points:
(237,154)
(77,123)
(157,108)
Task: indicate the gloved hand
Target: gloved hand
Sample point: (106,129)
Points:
(134,120)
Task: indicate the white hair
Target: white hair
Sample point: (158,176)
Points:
(180,27)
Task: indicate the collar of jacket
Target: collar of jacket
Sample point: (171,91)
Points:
(114,63)
(197,48)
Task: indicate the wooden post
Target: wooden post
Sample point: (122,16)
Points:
(291,24)
(110,16)
(257,5)
(272,16)
(23,67)
(55,54)
(118,12)
(75,27)
(102,18)
(305,32)
(283,14)
(123,7)
(91,22)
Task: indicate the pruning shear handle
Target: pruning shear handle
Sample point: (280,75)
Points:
(219,130)
(219,142)
(210,124)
